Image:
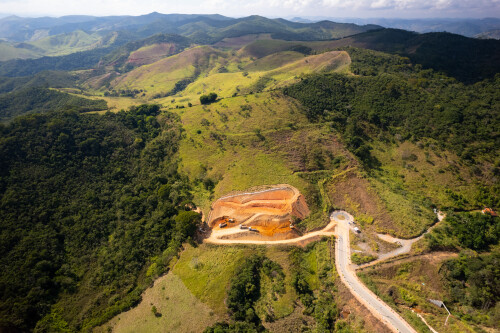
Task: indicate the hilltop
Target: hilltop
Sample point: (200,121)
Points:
(116,168)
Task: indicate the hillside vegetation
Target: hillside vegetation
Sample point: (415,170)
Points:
(97,190)
(84,212)
(467,59)
(41,100)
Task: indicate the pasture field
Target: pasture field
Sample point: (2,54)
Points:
(177,310)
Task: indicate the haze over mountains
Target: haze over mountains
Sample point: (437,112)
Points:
(486,27)
(117,131)
(19,29)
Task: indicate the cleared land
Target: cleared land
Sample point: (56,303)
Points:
(269,210)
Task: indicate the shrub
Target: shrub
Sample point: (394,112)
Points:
(207,99)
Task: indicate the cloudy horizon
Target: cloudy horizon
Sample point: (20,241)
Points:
(405,9)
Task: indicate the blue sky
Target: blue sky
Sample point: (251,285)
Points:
(269,8)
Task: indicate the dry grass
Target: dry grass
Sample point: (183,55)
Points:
(207,270)
(417,280)
(180,311)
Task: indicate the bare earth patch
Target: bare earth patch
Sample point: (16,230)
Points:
(269,210)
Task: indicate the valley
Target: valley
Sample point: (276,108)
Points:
(210,174)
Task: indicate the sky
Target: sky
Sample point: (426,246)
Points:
(268,8)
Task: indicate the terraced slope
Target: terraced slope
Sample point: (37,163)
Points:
(269,208)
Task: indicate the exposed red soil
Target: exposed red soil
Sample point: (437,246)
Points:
(269,211)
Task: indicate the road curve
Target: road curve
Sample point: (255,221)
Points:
(340,220)
(348,276)
(217,233)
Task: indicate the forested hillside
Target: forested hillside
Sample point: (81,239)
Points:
(40,100)
(104,155)
(467,59)
(392,96)
(84,211)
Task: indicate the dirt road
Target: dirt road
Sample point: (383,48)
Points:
(405,243)
(339,220)
(215,237)
(348,276)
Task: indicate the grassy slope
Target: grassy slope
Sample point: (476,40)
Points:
(238,82)
(173,301)
(225,72)
(413,283)
(56,45)
(238,161)
(162,75)
(207,270)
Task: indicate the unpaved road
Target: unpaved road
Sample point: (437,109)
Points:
(340,221)
(348,276)
(405,243)
(217,233)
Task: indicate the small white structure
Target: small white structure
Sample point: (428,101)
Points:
(441,305)
(356,230)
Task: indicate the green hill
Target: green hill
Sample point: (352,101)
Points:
(56,45)
(97,231)
(146,51)
(42,100)
(466,59)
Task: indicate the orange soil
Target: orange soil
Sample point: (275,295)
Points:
(269,211)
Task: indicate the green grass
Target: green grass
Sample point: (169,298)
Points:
(207,270)
(176,304)
(239,159)
(429,171)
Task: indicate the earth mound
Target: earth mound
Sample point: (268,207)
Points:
(269,211)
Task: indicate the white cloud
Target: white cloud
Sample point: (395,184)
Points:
(353,8)
(412,4)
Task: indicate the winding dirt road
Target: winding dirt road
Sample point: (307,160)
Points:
(339,226)
(348,276)
(339,220)
(215,237)
(406,244)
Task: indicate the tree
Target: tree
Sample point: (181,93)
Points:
(186,222)
(207,99)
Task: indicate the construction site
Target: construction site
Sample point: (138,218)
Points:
(263,214)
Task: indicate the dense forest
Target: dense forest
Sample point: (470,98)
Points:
(393,96)
(468,60)
(83,210)
(94,207)
(40,100)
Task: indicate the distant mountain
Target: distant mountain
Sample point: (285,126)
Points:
(56,45)
(491,34)
(465,27)
(466,59)
(203,28)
